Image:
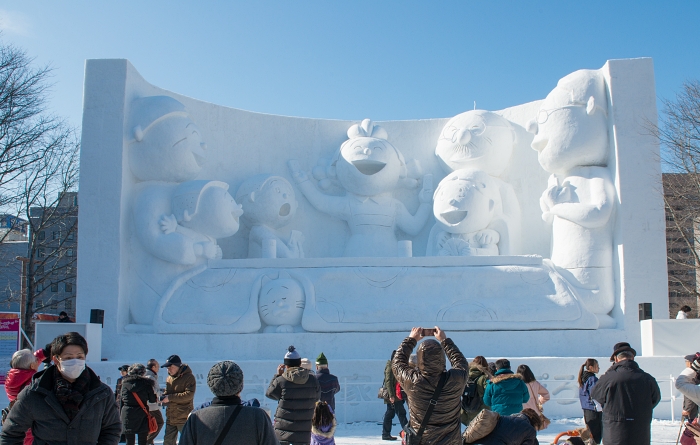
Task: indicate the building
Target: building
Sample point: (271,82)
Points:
(682,199)
(52,257)
(12,228)
(11,255)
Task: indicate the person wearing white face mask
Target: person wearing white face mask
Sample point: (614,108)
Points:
(65,403)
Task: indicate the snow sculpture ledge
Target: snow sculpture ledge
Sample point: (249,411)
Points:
(337,234)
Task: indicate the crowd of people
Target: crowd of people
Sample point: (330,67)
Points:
(67,403)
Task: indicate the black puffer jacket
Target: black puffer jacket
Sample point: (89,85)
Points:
(511,430)
(297,391)
(628,396)
(134,419)
(443,427)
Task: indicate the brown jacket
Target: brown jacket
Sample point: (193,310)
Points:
(419,383)
(180,390)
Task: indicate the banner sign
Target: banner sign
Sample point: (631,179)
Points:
(9,341)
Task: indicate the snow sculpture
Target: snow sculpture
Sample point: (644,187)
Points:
(268,204)
(465,203)
(281,303)
(165,145)
(180,223)
(484,140)
(571,138)
(369,168)
(203,211)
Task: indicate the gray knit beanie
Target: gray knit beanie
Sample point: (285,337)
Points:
(225,379)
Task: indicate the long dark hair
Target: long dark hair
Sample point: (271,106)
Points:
(481,361)
(322,415)
(591,362)
(527,374)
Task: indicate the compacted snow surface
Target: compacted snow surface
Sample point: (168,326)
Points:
(662,432)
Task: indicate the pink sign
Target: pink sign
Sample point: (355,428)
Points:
(9,341)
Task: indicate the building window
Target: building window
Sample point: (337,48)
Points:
(40,287)
(69,252)
(54,271)
(55,235)
(40,270)
(69,287)
(71,236)
(69,270)
(38,304)
(41,253)
(42,235)
(54,306)
(68,305)
(54,287)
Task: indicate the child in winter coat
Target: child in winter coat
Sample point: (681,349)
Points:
(323,425)
(592,415)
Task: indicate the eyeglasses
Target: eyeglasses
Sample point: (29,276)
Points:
(543,115)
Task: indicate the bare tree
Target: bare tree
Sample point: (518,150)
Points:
(678,132)
(38,169)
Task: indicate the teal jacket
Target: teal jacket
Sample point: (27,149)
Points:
(506,393)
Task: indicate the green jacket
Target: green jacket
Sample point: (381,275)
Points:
(482,376)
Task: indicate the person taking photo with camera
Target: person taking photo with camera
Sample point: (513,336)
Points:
(421,385)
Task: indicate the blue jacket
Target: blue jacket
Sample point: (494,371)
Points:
(584,392)
(506,393)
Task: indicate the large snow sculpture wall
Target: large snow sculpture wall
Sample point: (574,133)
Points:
(201,219)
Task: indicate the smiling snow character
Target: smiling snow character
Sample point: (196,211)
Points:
(369,168)
(466,203)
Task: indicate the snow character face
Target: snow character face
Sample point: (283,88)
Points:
(206,207)
(281,301)
(166,144)
(571,127)
(367,163)
(267,200)
(476,139)
(466,201)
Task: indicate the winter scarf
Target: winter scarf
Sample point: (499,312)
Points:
(70,395)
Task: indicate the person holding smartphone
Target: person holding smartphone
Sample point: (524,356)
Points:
(420,382)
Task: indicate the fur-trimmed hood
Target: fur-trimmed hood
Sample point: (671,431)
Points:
(328,434)
(502,377)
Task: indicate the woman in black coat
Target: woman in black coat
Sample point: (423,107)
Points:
(134,418)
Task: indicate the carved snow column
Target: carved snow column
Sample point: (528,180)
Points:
(571,138)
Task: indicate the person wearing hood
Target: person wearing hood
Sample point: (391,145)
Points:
(480,374)
(65,403)
(506,392)
(297,391)
(136,387)
(628,396)
(251,425)
(180,387)
(419,383)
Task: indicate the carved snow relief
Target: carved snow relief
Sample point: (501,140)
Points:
(190,270)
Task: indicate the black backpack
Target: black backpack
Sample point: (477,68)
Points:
(471,402)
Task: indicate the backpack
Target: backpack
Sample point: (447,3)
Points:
(471,402)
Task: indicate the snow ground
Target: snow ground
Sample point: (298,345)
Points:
(369,433)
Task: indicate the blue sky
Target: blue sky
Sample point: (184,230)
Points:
(383,59)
